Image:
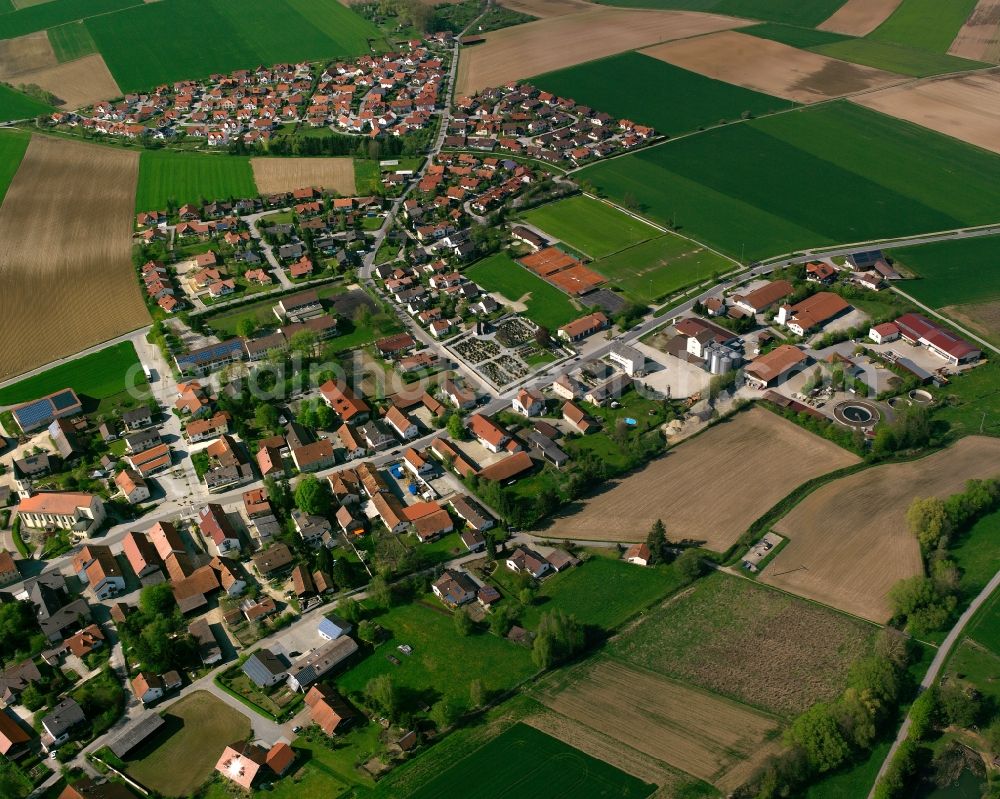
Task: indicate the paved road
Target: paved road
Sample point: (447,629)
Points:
(935,668)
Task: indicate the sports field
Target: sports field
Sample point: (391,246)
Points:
(98,375)
(222,35)
(15,105)
(524,763)
(590,226)
(653,92)
(13,143)
(658,267)
(952,272)
(56,12)
(540,302)
(925,24)
(794,12)
(71,41)
(762,647)
(870,176)
(183,178)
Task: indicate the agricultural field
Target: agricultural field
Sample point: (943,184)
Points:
(524,763)
(659,267)
(708,737)
(848,540)
(802,38)
(56,12)
(76,83)
(71,41)
(197,728)
(793,12)
(741,185)
(563,41)
(859,17)
(97,376)
(24,54)
(977,553)
(761,647)
(896,58)
(274,175)
(713,496)
(960,106)
(925,24)
(228,35)
(952,272)
(65,249)
(979,37)
(590,226)
(771,67)
(442,663)
(16,105)
(653,92)
(166,177)
(13,143)
(544,304)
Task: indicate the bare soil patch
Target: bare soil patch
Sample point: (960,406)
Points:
(982,317)
(273,175)
(979,37)
(563,41)
(771,67)
(709,489)
(543,9)
(78,83)
(848,541)
(964,106)
(694,731)
(859,17)
(65,253)
(25,53)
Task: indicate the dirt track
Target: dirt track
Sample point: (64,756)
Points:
(771,67)
(848,541)
(287,174)
(859,17)
(979,37)
(65,253)
(711,488)
(76,83)
(964,107)
(526,50)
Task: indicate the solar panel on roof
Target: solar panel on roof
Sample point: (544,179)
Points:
(64,399)
(33,412)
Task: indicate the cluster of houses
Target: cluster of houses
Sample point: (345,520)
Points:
(521,119)
(374,95)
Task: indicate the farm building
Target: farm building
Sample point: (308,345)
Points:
(769,369)
(884,333)
(812,313)
(918,329)
(760,299)
(584,327)
(41,412)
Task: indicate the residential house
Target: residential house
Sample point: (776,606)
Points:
(524,560)
(327,710)
(319,662)
(147,688)
(264,668)
(67,510)
(313,457)
(454,588)
(215,526)
(488,433)
(132,485)
(584,327)
(638,554)
(59,723)
(528,402)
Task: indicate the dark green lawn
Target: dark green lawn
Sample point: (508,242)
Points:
(56,12)
(191,178)
(953,272)
(99,375)
(71,41)
(652,92)
(807,13)
(17,105)
(546,305)
(13,143)
(925,24)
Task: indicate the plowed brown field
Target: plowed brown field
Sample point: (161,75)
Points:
(711,488)
(979,37)
(84,81)
(24,54)
(273,175)
(859,17)
(65,242)
(848,541)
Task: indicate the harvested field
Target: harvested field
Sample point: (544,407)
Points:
(273,175)
(689,729)
(65,253)
(771,67)
(761,647)
(775,457)
(543,9)
(979,37)
(563,41)
(848,541)
(76,83)
(25,53)
(982,317)
(963,107)
(859,17)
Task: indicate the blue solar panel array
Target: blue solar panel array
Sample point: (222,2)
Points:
(34,414)
(64,399)
(207,354)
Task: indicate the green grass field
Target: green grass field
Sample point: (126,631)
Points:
(99,375)
(71,41)
(191,178)
(198,728)
(546,305)
(17,105)
(671,99)
(523,763)
(594,228)
(977,553)
(222,35)
(660,266)
(794,36)
(985,628)
(443,663)
(953,272)
(870,176)
(925,24)
(794,12)
(13,143)
(896,58)
(56,12)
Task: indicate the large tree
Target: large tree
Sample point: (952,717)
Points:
(312,496)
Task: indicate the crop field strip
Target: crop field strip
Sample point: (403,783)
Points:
(952,272)
(925,24)
(13,143)
(24,54)
(979,37)
(189,178)
(71,41)
(56,12)
(871,176)
(65,250)
(794,12)
(859,17)
(228,35)
(652,92)
(16,105)
(848,540)
(273,175)
(764,648)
